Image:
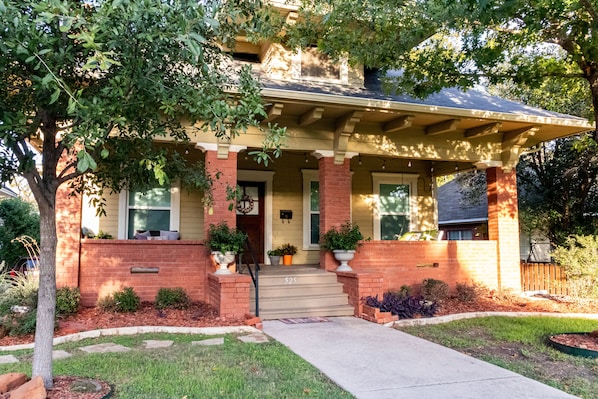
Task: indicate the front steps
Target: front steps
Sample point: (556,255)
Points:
(299,291)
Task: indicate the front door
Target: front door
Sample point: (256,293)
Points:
(250,215)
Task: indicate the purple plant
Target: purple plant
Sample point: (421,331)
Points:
(406,307)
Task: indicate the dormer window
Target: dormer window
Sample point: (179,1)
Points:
(311,64)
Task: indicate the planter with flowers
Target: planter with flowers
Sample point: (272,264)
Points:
(342,242)
(287,250)
(225,243)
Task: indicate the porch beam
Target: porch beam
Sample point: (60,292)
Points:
(400,123)
(514,143)
(311,116)
(484,130)
(274,112)
(443,127)
(344,128)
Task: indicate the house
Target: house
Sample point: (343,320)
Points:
(353,153)
(6,192)
(461,220)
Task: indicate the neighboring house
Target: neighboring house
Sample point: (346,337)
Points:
(458,219)
(6,192)
(353,153)
(461,220)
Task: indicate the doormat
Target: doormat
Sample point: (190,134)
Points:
(304,320)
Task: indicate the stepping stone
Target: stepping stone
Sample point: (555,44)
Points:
(5,359)
(254,338)
(154,344)
(209,342)
(60,354)
(108,347)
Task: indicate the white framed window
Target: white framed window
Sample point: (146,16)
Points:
(459,235)
(156,209)
(310,64)
(311,210)
(395,197)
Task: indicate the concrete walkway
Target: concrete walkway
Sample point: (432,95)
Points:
(372,361)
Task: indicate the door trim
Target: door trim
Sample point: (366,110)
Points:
(266,177)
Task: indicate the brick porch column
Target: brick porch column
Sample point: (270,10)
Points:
(68,232)
(226,170)
(503,225)
(335,199)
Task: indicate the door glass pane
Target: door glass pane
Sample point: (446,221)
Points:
(249,203)
(394,198)
(315,228)
(314,196)
(146,219)
(391,225)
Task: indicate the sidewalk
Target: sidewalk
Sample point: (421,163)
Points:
(372,361)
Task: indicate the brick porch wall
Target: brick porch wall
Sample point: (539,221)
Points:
(106,267)
(229,294)
(68,232)
(398,263)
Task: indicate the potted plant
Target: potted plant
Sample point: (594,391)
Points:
(342,242)
(287,250)
(275,255)
(224,243)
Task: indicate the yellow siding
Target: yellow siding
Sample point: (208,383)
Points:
(191,223)
(109,223)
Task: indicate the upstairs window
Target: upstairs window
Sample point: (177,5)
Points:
(310,64)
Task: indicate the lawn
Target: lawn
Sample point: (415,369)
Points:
(232,370)
(519,344)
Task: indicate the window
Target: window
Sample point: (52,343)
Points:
(156,209)
(396,208)
(310,64)
(455,235)
(311,209)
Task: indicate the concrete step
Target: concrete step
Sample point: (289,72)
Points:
(303,302)
(344,310)
(270,291)
(288,279)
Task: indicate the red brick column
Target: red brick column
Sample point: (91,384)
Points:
(335,200)
(224,174)
(68,232)
(359,285)
(229,294)
(503,225)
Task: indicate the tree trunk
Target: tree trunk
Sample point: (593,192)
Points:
(46,303)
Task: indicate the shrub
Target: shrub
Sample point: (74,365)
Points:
(175,298)
(125,300)
(434,290)
(67,301)
(406,307)
(467,292)
(18,303)
(346,237)
(579,259)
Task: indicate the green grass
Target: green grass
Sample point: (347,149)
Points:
(519,344)
(232,370)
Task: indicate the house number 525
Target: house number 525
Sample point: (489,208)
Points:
(290,280)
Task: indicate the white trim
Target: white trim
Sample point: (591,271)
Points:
(395,178)
(266,177)
(309,175)
(123,210)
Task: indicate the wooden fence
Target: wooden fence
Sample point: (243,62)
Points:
(543,276)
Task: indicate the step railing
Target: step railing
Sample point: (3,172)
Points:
(247,260)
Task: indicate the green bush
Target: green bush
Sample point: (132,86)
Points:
(125,300)
(434,290)
(175,298)
(67,301)
(18,303)
(467,293)
(579,259)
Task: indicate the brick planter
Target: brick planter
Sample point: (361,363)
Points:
(376,316)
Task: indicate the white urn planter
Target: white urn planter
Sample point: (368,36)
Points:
(223,260)
(343,256)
